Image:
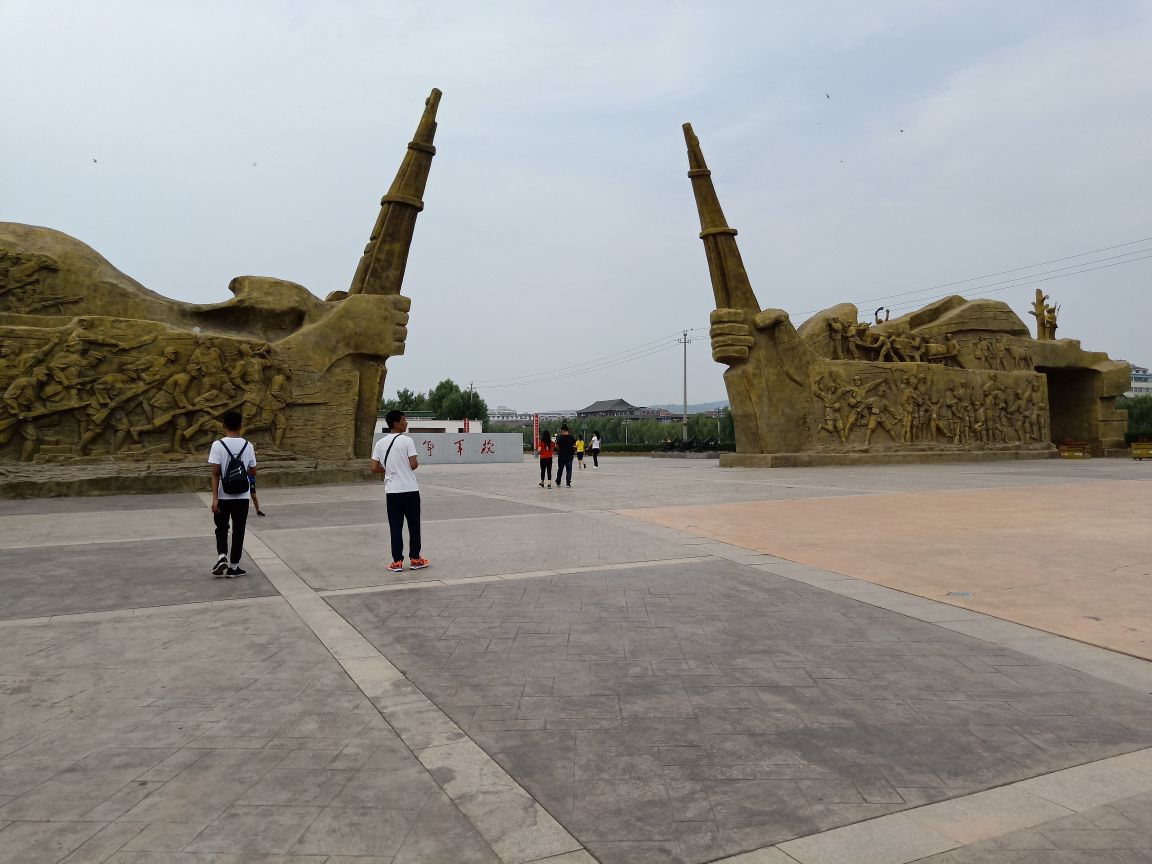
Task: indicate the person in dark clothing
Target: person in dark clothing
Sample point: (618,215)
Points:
(565,453)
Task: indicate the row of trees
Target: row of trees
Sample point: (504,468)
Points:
(615,430)
(445,401)
(1139,410)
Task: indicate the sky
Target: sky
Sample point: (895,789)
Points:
(866,152)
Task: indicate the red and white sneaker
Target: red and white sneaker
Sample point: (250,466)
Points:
(396,566)
(418,563)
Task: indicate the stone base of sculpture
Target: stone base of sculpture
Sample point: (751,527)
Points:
(108,477)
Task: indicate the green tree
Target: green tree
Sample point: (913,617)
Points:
(1139,410)
(440,394)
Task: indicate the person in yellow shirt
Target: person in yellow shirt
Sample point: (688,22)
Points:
(580,450)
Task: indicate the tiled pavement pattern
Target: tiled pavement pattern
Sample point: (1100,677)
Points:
(686,712)
(193,735)
(223,731)
(1119,833)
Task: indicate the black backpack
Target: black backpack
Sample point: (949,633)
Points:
(234,480)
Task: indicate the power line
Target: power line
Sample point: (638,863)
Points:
(623,356)
(565,374)
(1018,284)
(880,299)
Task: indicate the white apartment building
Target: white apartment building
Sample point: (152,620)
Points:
(1141,382)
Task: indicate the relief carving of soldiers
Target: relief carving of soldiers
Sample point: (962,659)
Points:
(108,395)
(853,396)
(21,399)
(276,399)
(877,408)
(836,334)
(910,404)
(827,390)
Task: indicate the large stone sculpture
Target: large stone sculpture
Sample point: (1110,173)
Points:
(95,367)
(956,380)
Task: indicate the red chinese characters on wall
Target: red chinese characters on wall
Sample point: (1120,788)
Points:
(487,448)
(429,446)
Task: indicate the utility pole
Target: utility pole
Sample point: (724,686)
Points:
(684,422)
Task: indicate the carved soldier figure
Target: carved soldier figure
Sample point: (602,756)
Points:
(1050,321)
(21,398)
(910,403)
(877,408)
(836,334)
(854,396)
(276,400)
(827,390)
(1038,411)
(105,408)
(248,375)
(885,347)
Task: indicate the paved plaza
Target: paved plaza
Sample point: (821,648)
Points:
(668,662)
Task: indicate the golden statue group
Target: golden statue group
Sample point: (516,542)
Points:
(93,365)
(96,368)
(956,380)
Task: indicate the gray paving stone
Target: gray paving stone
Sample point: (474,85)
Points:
(793,710)
(41,581)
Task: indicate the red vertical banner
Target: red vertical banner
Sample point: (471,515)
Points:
(466,421)
(536,432)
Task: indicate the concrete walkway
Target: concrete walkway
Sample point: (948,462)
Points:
(589,674)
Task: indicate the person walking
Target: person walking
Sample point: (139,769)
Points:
(547,448)
(233,462)
(252,486)
(594,447)
(394,456)
(580,445)
(565,451)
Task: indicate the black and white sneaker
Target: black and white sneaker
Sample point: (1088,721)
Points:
(221,566)
(233,572)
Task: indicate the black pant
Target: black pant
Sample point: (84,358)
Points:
(401,506)
(563,463)
(595,457)
(235,509)
(546,467)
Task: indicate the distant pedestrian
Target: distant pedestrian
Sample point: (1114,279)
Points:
(394,456)
(565,451)
(547,448)
(252,487)
(594,447)
(233,462)
(580,445)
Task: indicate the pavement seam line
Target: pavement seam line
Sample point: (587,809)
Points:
(498,577)
(483,791)
(924,815)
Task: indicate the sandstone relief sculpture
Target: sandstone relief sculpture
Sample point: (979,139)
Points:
(956,379)
(93,366)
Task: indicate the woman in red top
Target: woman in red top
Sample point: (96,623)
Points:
(547,448)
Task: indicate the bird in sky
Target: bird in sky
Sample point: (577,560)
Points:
(93,160)
(826,96)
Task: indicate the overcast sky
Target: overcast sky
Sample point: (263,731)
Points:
(862,150)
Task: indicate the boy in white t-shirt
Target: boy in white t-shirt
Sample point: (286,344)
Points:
(230,506)
(394,456)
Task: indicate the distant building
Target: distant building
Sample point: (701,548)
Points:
(620,408)
(424,424)
(1141,382)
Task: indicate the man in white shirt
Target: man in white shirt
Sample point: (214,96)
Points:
(394,456)
(230,505)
